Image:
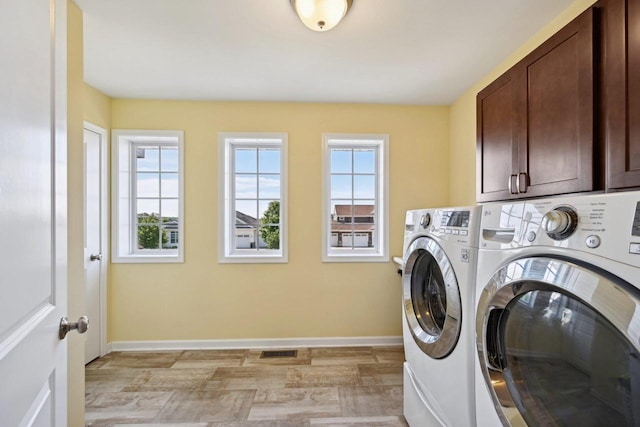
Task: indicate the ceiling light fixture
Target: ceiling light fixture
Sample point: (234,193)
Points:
(321,15)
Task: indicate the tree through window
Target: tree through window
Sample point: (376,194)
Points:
(147,190)
(253,169)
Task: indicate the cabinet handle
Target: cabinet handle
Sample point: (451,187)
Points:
(519,188)
(510,184)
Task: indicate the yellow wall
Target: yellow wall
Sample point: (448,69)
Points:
(97,107)
(462,182)
(75,82)
(202,299)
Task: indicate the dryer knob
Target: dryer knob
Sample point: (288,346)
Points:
(560,222)
(425,220)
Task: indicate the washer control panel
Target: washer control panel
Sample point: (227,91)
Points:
(425,220)
(604,224)
(560,222)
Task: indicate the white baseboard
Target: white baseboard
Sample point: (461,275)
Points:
(254,343)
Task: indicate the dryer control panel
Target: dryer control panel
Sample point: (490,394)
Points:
(603,224)
(457,225)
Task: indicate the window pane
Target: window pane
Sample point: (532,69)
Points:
(147,158)
(170,236)
(269,160)
(340,160)
(364,161)
(341,211)
(362,239)
(170,209)
(364,186)
(269,211)
(246,160)
(365,211)
(169,159)
(170,185)
(247,212)
(147,210)
(148,237)
(269,187)
(334,240)
(246,186)
(147,185)
(245,237)
(346,240)
(269,237)
(341,187)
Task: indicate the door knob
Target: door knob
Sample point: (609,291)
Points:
(95,257)
(65,327)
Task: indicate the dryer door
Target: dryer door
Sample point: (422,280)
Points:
(559,345)
(431,298)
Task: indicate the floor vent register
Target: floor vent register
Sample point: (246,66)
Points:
(271,354)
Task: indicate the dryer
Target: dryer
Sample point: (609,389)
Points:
(439,257)
(558,312)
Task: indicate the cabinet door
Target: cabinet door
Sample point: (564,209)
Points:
(557,154)
(497,132)
(621,68)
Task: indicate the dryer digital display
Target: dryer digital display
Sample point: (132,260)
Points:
(455,219)
(635,230)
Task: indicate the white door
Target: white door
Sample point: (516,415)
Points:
(33,253)
(94,230)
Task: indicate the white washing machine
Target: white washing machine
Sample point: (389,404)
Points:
(439,256)
(558,312)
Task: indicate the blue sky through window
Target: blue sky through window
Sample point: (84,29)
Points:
(257,179)
(353,175)
(157,178)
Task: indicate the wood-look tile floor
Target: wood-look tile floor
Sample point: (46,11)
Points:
(326,387)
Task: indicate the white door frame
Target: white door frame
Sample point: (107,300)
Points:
(104,229)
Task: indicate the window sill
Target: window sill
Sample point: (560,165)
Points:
(253,259)
(355,258)
(148,259)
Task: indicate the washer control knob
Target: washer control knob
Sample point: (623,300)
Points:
(559,223)
(425,220)
(593,241)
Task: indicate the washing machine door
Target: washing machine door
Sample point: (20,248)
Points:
(559,344)
(431,298)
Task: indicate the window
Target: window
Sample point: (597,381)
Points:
(253,170)
(148,193)
(355,198)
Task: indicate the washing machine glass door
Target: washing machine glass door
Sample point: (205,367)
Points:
(561,345)
(431,298)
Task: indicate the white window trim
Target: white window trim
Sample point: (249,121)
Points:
(122,225)
(380,253)
(226,218)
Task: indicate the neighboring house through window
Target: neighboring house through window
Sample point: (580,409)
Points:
(148,193)
(355,198)
(253,226)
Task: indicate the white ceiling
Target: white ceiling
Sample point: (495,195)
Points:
(384,51)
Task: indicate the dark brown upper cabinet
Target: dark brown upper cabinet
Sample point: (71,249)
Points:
(621,91)
(535,123)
